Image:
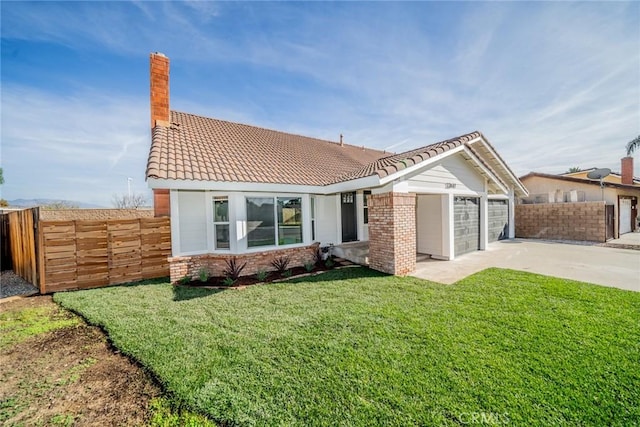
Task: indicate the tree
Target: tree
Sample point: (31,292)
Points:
(61,204)
(125,201)
(3,202)
(633,145)
(574,169)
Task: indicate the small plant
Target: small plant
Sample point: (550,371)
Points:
(203,274)
(228,281)
(309,266)
(287,273)
(262,274)
(329,263)
(318,255)
(281,264)
(184,280)
(233,269)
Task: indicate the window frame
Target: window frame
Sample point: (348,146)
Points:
(276,226)
(216,223)
(365,207)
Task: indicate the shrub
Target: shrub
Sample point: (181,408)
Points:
(228,281)
(329,263)
(184,280)
(262,274)
(281,264)
(233,269)
(203,274)
(317,256)
(287,273)
(309,266)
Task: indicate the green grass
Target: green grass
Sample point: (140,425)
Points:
(353,347)
(18,325)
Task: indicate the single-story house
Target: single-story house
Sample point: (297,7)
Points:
(257,194)
(619,191)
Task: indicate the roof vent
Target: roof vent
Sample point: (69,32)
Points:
(341,143)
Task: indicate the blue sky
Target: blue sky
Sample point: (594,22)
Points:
(552,84)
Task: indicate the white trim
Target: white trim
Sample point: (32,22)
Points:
(418,166)
(502,164)
(175,222)
(340,187)
(491,176)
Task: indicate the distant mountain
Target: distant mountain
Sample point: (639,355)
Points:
(29,203)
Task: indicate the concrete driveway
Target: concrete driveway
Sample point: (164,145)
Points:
(608,266)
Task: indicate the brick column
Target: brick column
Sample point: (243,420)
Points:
(392,233)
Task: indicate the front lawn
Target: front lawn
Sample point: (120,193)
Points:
(353,347)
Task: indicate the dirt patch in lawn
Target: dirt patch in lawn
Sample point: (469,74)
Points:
(69,375)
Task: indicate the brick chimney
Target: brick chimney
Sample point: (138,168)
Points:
(160,116)
(159,76)
(627,170)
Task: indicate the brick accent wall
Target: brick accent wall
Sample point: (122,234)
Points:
(392,233)
(93,214)
(583,221)
(161,204)
(215,263)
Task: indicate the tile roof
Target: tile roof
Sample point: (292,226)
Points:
(206,149)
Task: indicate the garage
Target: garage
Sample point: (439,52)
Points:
(498,218)
(466,212)
(625,216)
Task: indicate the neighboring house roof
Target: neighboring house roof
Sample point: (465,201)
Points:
(614,177)
(578,180)
(205,149)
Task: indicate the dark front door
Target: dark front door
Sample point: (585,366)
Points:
(609,221)
(348,207)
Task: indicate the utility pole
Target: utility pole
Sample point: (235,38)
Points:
(129,186)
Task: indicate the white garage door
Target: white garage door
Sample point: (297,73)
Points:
(625,216)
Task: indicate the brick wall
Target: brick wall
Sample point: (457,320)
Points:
(93,214)
(583,221)
(161,202)
(392,233)
(215,263)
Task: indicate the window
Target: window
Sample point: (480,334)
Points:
(366,206)
(262,213)
(260,221)
(289,220)
(313,218)
(221,222)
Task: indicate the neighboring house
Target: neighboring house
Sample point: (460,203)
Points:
(620,191)
(257,194)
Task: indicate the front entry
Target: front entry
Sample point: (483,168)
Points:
(349,222)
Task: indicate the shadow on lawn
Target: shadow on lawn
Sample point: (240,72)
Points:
(183,293)
(339,274)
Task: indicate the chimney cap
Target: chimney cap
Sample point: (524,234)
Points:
(159,54)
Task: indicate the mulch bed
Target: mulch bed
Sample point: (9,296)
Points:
(273,277)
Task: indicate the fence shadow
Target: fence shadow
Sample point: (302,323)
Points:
(184,293)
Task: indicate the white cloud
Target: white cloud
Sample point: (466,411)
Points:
(552,85)
(80,147)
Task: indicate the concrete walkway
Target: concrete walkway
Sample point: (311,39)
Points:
(606,266)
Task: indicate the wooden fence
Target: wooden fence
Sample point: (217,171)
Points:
(20,238)
(87,254)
